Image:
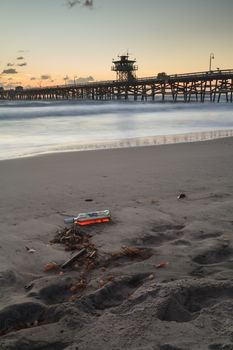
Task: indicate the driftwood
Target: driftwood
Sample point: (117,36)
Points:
(73,258)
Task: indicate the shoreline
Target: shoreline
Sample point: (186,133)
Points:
(156,140)
(129,302)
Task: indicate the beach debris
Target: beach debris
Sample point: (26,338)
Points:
(92,254)
(81,284)
(110,278)
(162,264)
(93,221)
(94,217)
(78,287)
(74,297)
(73,258)
(29,285)
(51,267)
(87,257)
(30,250)
(131,252)
(91,265)
(101,283)
(73,239)
(181,196)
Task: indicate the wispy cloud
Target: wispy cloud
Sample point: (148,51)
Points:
(84,80)
(10,64)
(20,58)
(45,77)
(33,78)
(77,80)
(71,3)
(86,3)
(9,71)
(22,64)
(11,85)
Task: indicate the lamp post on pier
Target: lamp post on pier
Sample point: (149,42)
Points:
(211,58)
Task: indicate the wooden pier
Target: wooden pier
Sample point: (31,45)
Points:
(214,86)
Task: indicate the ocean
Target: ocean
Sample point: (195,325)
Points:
(39,127)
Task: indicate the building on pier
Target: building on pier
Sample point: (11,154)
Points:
(125,68)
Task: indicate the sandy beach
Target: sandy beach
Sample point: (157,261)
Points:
(177,295)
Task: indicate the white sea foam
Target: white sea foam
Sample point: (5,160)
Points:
(34,128)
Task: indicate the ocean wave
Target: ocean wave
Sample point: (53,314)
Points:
(126,143)
(21,110)
(46,127)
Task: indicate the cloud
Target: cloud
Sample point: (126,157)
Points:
(80,80)
(9,71)
(10,64)
(33,78)
(45,77)
(84,80)
(71,3)
(87,3)
(22,64)
(20,58)
(11,85)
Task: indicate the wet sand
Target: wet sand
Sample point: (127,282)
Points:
(130,303)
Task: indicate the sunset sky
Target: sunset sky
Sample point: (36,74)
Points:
(50,42)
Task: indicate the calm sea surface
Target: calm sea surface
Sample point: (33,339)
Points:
(32,128)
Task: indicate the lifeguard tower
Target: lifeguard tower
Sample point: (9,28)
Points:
(125,68)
